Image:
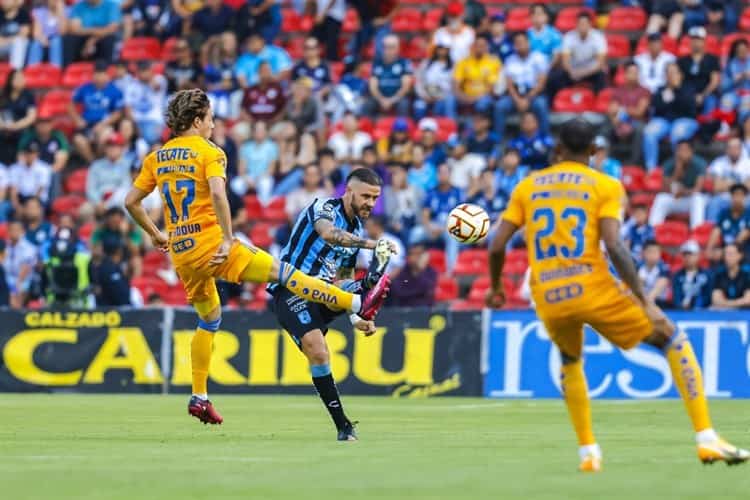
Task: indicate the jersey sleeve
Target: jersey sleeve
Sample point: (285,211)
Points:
(324,210)
(215,162)
(613,201)
(146,181)
(514,211)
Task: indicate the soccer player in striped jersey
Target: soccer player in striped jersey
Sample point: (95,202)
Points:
(324,243)
(190,173)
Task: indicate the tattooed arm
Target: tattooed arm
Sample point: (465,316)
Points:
(337,236)
(609,229)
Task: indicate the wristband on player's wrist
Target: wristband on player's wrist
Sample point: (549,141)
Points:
(354,318)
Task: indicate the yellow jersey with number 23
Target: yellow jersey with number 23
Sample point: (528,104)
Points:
(560,208)
(180,171)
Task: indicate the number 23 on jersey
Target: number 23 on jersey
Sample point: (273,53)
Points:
(554,231)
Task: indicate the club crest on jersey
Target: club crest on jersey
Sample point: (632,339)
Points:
(304,317)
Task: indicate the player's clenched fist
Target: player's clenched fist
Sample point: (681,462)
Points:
(495,299)
(160,241)
(366,327)
(222,253)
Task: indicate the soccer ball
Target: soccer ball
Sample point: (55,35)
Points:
(468,223)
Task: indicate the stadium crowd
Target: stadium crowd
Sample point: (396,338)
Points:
(447,102)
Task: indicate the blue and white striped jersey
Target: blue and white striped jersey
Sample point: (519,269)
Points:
(309,253)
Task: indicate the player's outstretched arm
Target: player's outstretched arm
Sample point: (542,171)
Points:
(217,186)
(496,295)
(336,236)
(609,230)
(138,213)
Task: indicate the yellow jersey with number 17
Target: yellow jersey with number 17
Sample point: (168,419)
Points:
(560,208)
(180,171)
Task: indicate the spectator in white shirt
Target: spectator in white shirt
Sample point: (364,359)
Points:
(434,85)
(20,258)
(455,34)
(652,64)
(724,171)
(348,143)
(29,177)
(464,167)
(311,189)
(107,174)
(584,55)
(145,101)
(526,77)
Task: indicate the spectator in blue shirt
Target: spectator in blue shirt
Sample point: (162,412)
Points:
(247,65)
(314,67)
(422,173)
(526,77)
(91,30)
(654,274)
(511,172)
(213,19)
(733,224)
(501,44)
(601,160)
(391,81)
(101,105)
(735,82)
(434,151)
(636,231)
(543,37)
(481,140)
(533,145)
(491,199)
(437,205)
(691,285)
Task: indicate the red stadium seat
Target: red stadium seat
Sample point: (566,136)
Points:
(669,44)
(712,46)
(42,76)
(471,262)
(519,19)
(67,204)
(3,230)
(654,181)
(603,100)
(574,100)
(431,20)
(406,19)
(645,199)
(619,78)
(702,233)
(633,178)
(235,4)
(437,259)
(275,211)
(153,261)
(446,289)
(745,20)
(85,231)
(295,47)
(671,233)
(261,235)
(78,73)
(290,21)
(479,288)
(446,127)
(567,18)
(728,40)
(337,70)
(253,207)
(351,21)
(150,284)
(416,49)
(76,181)
(627,19)
(175,296)
(618,46)
(5,70)
(168,49)
(55,103)
(140,48)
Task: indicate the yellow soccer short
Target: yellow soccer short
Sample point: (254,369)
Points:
(611,310)
(242,264)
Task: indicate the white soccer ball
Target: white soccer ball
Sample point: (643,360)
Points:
(468,223)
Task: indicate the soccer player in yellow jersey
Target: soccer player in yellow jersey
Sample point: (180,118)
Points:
(189,172)
(566,210)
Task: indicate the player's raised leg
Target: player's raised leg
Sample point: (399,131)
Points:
(688,378)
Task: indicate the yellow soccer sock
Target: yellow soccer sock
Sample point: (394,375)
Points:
(576,393)
(317,290)
(200,354)
(688,378)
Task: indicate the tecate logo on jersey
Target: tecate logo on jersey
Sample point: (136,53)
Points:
(519,360)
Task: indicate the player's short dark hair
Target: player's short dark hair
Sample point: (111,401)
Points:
(366,175)
(738,186)
(185,107)
(577,135)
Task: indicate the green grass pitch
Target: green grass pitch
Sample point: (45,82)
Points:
(276,447)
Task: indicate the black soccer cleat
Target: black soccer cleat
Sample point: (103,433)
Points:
(347,432)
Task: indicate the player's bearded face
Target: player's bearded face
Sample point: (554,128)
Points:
(363,200)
